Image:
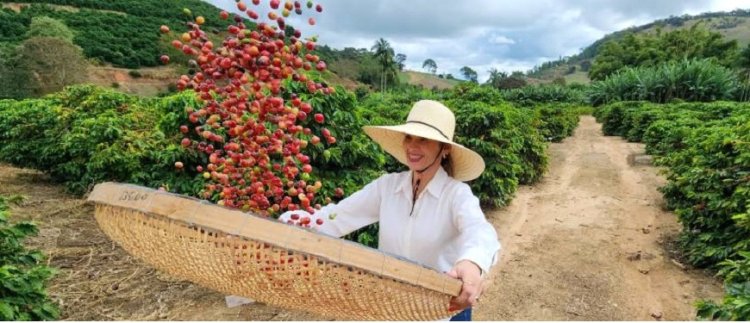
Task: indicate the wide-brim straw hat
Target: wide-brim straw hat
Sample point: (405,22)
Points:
(431,120)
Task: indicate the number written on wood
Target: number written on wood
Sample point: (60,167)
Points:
(133,196)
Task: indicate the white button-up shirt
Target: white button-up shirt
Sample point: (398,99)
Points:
(446,225)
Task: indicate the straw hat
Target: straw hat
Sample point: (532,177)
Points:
(432,120)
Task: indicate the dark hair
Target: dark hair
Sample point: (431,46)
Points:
(447,165)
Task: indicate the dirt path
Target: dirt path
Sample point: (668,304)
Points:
(590,242)
(585,244)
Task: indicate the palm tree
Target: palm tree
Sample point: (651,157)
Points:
(469,73)
(744,65)
(496,77)
(384,55)
(400,59)
(430,65)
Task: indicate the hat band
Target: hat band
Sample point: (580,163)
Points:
(431,126)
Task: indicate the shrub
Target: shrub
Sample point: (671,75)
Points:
(540,94)
(706,150)
(135,74)
(556,121)
(23,274)
(689,80)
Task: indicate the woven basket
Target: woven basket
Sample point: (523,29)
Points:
(278,264)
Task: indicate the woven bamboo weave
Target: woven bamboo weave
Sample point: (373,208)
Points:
(236,253)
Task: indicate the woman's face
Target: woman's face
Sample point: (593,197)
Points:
(421,152)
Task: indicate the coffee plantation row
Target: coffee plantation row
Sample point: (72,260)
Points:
(705,148)
(85,135)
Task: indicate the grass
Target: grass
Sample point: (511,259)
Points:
(577,77)
(427,80)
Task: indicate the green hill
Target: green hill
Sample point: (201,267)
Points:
(122,43)
(733,25)
(119,39)
(123,33)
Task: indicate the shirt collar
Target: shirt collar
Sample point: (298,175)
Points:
(434,188)
(436,185)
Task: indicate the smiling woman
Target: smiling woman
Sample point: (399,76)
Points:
(426,214)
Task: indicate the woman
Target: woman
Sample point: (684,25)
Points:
(426,214)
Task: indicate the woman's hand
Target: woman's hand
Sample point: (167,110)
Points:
(470,274)
(287,216)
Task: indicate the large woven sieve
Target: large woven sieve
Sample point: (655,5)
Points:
(271,262)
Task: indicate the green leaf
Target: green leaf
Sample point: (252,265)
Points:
(6,312)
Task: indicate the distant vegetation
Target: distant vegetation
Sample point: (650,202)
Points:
(686,64)
(44,63)
(635,50)
(733,24)
(377,68)
(688,80)
(123,33)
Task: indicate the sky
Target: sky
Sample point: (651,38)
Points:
(508,35)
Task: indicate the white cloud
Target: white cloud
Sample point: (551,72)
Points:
(505,34)
(502,40)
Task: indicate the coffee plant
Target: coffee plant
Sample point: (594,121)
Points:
(705,148)
(23,274)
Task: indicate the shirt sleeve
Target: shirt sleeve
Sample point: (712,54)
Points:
(478,241)
(356,211)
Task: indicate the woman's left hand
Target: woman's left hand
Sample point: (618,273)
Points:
(470,274)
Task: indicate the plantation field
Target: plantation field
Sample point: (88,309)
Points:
(186,97)
(575,248)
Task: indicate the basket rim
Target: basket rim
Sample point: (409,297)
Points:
(169,206)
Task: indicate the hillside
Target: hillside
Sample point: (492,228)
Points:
(427,80)
(733,25)
(148,81)
(120,39)
(152,81)
(122,33)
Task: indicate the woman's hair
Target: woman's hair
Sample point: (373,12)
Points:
(446,162)
(447,165)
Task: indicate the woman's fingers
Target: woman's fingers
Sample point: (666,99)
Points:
(470,292)
(469,296)
(469,273)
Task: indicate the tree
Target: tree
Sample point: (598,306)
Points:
(469,74)
(384,55)
(744,63)
(400,59)
(430,65)
(495,77)
(585,65)
(633,50)
(503,81)
(13,78)
(511,82)
(43,26)
(51,64)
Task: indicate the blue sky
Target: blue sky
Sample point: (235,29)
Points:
(483,34)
